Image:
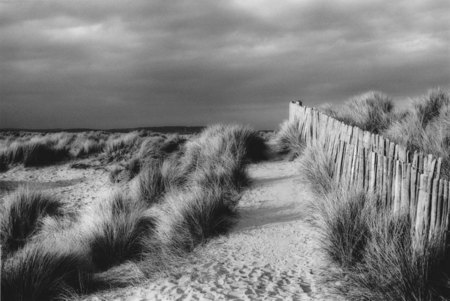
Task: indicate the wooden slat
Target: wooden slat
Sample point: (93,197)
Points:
(372,172)
(426,166)
(406,177)
(438,168)
(306,128)
(350,135)
(361,138)
(361,168)
(348,166)
(413,191)
(392,150)
(439,204)
(340,159)
(385,185)
(353,163)
(389,182)
(367,167)
(382,146)
(431,166)
(367,140)
(402,153)
(397,188)
(433,209)
(422,217)
(445,205)
(396,156)
(380,181)
(344,163)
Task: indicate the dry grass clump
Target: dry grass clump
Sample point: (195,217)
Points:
(37,262)
(317,168)
(33,153)
(217,148)
(217,156)
(202,203)
(87,147)
(120,224)
(153,150)
(375,252)
(392,270)
(430,107)
(188,218)
(126,238)
(288,141)
(371,111)
(159,147)
(373,248)
(224,173)
(46,149)
(345,221)
(123,146)
(39,149)
(125,172)
(47,270)
(243,143)
(150,185)
(426,127)
(23,214)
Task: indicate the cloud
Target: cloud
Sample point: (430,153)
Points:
(142,63)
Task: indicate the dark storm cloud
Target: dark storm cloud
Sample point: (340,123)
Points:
(141,63)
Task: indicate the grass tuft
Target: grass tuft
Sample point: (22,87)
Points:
(150,185)
(186,219)
(47,270)
(371,111)
(426,128)
(289,141)
(22,216)
(317,168)
(119,227)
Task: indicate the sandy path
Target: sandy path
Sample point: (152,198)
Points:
(272,254)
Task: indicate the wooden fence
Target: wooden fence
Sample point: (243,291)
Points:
(409,183)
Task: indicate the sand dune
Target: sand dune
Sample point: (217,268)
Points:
(272,254)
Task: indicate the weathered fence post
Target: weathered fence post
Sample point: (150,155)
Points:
(422,214)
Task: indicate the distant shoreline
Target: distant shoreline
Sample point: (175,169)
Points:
(159,129)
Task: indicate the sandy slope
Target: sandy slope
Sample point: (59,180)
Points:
(272,254)
(77,186)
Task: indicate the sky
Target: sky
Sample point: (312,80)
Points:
(120,64)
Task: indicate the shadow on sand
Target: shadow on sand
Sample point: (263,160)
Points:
(10,186)
(252,218)
(269,181)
